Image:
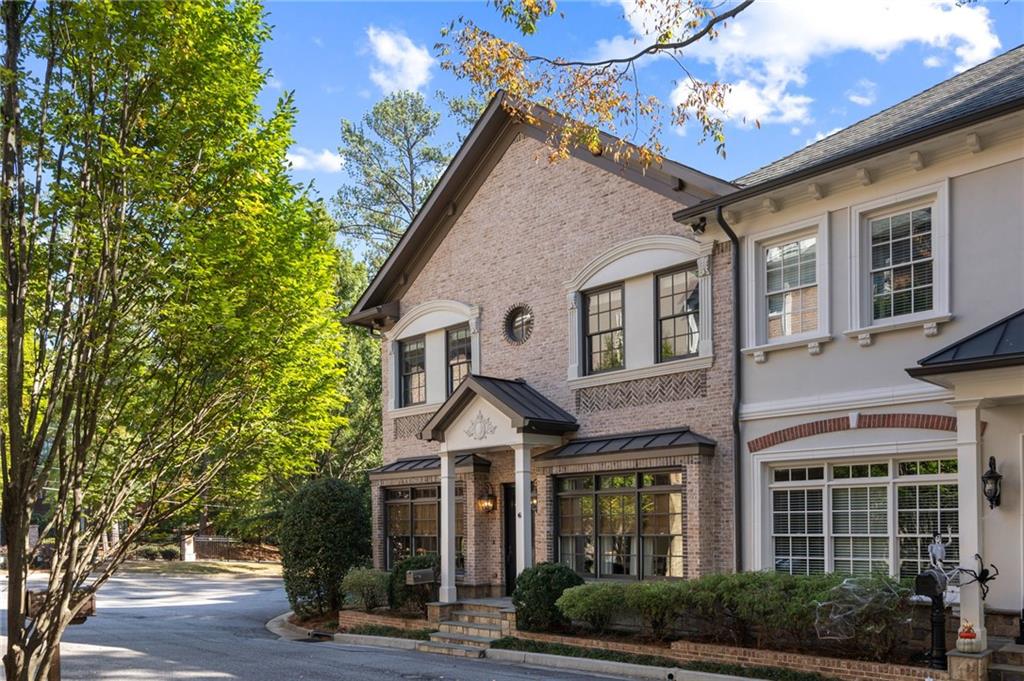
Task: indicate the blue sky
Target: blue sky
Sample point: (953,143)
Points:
(803,68)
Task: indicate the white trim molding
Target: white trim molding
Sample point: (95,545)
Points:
(844,401)
(661,369)
(638,256)
(861,322)
(755,325)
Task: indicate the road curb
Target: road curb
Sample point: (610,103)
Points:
(281,627)
(583,664)
(377,641)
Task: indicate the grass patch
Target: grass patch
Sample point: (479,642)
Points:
(767,673)
(764,673)
(178,568)
(391,632)
(530,646)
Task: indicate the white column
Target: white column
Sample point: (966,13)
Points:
(968,455)
(705,319)
(447,592)
(524,526)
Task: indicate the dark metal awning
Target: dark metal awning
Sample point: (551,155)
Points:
(631,443)
(996,346)
(428,464)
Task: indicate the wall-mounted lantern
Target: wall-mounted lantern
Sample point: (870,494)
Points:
(533,496)
(992,483)
(487,502)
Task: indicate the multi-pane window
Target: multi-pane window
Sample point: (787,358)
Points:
(791,287)
(412,521)
(605,338)
(412,371)
(678,314)
(901,263)
(798,530)
(460,353)
(860,530)
(629,525)
(859,534)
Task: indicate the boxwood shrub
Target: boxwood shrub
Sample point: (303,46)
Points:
(366,587)
(592,604)
(537,590)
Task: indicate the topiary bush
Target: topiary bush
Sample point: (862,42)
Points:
(592,604)
(659,604)
(324,533)
(367,587)
(414,597)
(537,590)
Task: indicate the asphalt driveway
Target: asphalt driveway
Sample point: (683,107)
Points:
(150,627)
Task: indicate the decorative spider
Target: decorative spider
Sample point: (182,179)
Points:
(982,576)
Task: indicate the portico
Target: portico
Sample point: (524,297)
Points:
(503,417)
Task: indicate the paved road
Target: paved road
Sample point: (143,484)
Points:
(213,628)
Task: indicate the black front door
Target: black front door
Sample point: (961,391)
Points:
(508,498)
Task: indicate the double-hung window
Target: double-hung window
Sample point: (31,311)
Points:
(901,263)
(791,287)
(459,350)
(864,518)
(604,330)
(412,371)
(678,314)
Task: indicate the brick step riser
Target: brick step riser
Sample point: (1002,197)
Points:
(1006,675)
(458,640)
(480,607)
(453,652)
(477,618)
(1003,657)
(469,630)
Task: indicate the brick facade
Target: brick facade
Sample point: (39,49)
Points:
(832,425)
(528,229)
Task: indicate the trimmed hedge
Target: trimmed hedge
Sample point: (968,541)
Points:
(414,597)
(592,604)
(367,587)
(537,590)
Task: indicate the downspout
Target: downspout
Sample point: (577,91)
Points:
(736,386)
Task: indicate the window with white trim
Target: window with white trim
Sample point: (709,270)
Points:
(901,263)
(881,516)
(791,287)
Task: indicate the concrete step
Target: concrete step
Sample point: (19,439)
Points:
(1007,652)
(492,631)
(1005,672)
(495,605)
(477,617)
(462,639)
(452,649)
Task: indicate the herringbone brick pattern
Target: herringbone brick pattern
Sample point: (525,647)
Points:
(641,392)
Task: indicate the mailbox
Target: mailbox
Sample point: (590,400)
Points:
(425,576)
(37,598)
(932,584)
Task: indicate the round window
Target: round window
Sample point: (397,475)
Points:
(518,323)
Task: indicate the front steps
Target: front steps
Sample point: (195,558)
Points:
(1007,660)
(468,633)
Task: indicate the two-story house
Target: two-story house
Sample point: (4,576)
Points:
(558,370)
(882,340)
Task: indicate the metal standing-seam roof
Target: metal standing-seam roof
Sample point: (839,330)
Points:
(997,345)
(429,463)
(630,442)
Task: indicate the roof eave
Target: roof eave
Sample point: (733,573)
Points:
(956,367)
(751,191)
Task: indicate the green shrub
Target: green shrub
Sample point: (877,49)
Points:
(872,614)
(414,597)
(659,604)
(149,552)
(170,553)
(367,587)
(592,604)
(325,532)
(537,590)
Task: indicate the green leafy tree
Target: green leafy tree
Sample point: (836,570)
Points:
(168,310)
(392,162)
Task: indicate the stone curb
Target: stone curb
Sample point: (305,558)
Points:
(583,664)
(377,641)
(281,627)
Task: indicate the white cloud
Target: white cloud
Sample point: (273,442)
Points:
(274,83)
(795,130)
(822,135)
(765,51)
(864,93)
(401,64)
(747,103)
(933,62)
(324,161)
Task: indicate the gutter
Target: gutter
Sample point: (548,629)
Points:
(837,162)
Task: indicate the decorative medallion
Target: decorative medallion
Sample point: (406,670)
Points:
(518,323)
(480,427)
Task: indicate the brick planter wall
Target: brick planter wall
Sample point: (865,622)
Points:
(686,651)
(357,618)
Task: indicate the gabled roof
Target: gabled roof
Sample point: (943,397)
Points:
(630,442)
(528,410)
(998,345)
(989,90)
(454,189)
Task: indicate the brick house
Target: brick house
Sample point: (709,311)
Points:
(557,372)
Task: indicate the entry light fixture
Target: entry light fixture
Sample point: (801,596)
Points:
(992,483)
(487,502)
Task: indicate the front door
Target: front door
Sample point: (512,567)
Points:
(508,498)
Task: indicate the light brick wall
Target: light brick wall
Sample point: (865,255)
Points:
(530,228)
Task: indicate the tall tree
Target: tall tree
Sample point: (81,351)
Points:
(168,299)
(392,161)
(588,96)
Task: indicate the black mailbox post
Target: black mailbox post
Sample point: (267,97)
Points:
(932,583)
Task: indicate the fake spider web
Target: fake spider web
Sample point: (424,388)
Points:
(852,603)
